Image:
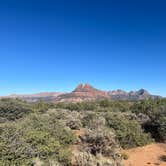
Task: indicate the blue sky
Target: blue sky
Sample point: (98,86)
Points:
(53,45)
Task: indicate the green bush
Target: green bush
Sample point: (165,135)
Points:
(78,106)
(149,107)
(162,126)
(42,106)
(93,120)
(101,141)
(114,106)
(104,103)
(156,111)
(86,121)
(85,158)
(12,109)
(35,136)
(158,126)
(128,132)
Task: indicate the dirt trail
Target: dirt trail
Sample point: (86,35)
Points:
(146,156)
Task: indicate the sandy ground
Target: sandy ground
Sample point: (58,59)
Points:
(146,156)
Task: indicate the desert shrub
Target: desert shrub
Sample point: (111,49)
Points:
(42,106)
(35,136)
(94,121)
(64,156)
(12,109)
(97,106)
(108,162)
(70,106)
(74,106)
(51,162)
(74,124)
(78,106)
(104,103)
(156,112)
(116,106)
(101,141)
(128,132)
(85,159)
(59,114)
(149,107)
(161,122)
(157,126)
(142,118)
(88,118)
(90,106)
(71,119)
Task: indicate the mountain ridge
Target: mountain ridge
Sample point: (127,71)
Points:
(84,92)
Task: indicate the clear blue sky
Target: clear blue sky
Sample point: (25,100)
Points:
(52,45)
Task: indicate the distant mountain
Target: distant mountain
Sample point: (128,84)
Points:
(85,92)
(132,95)
(45,96)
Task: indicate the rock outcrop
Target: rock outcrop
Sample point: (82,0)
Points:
(83,92)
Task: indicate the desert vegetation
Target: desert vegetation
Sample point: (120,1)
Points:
(78,134)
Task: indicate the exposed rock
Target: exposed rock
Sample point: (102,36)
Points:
(83,92)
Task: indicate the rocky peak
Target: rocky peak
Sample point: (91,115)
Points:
(84,88)
(142,92)
(117,92)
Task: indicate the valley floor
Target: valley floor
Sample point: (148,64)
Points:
(149,155)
